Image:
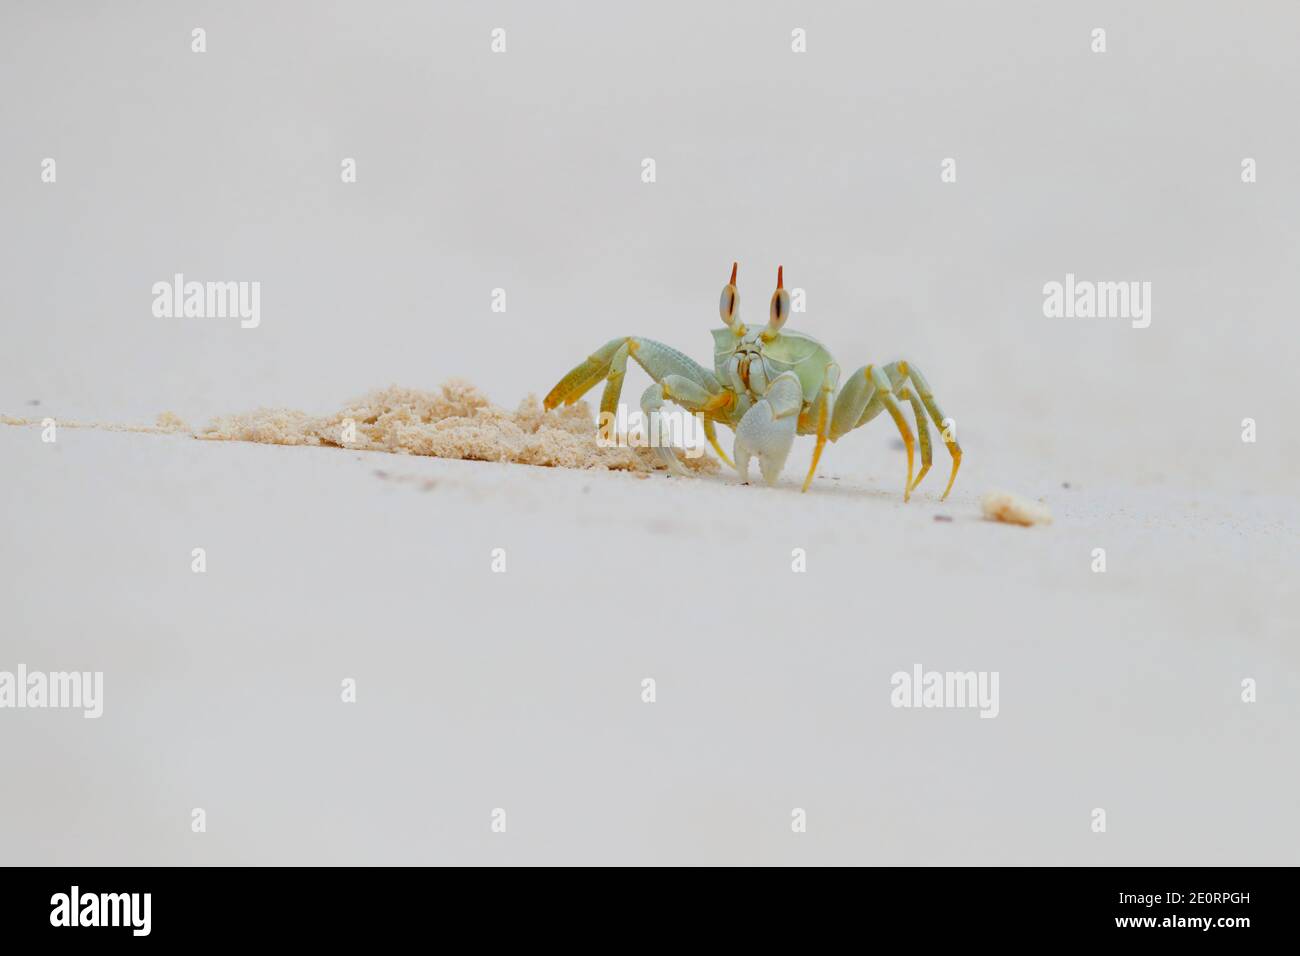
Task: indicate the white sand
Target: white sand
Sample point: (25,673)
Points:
(521,690)
(1118,689)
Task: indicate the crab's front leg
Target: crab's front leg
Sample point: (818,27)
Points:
(712,435)
(819,417)
(767,429)
(694,398)
(677,377)
(609,364)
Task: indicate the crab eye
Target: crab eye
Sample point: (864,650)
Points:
(730,299)
(780,310)
(727,307)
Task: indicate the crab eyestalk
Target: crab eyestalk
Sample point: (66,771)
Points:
(780,308)
(729,304)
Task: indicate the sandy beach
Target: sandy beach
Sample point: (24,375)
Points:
(498,620)
(521,690)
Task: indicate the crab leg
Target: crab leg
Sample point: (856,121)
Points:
(853,403)
(867,391)
(609,362)
(695,399)
(652,400)
(683,381)
(822,408)
(910,372)
(614,382)
(681,391)
(582,377)
(922,431)
(711,434)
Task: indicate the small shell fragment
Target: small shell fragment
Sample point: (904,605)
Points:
(1013,509)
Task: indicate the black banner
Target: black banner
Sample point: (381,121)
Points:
(1150,906)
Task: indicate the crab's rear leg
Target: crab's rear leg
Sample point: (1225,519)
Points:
(903,371)
(936,415)
(866,392)
(871,389)
(908,394)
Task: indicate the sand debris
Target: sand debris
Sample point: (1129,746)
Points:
(1013,509)
(167,424)
(455,421)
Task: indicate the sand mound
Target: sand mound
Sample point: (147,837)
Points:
(457,421)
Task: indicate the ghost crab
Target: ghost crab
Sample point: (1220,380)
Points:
(768,385)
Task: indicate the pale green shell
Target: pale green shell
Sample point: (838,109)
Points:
(790,350)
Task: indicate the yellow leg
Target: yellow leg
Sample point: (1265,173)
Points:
(712,436)
(897,414)
(922,431)
(871,389)
(823,417)
(574,385)
(945,431)
(886,397)
(830,379)
(956,463)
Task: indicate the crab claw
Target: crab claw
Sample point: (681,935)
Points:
(767,430)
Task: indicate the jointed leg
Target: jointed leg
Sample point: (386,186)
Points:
(688,394)
(855,405)
(614,382)
(687,383)
(922,431)
(585,375)
(926,396)
(711,434)
(821,411)
(886,396)
(652,400)
(867,391)
(609,362)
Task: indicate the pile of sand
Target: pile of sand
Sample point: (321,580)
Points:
(457,421)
